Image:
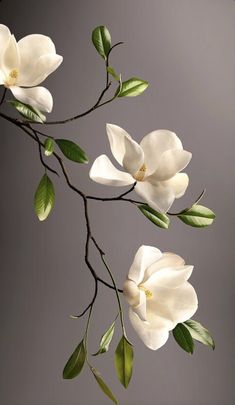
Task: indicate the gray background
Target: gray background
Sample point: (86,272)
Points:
(185,49)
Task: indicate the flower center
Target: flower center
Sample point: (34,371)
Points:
(147,292)
(11,78)
(139,176)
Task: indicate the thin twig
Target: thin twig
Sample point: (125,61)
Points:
(3,96)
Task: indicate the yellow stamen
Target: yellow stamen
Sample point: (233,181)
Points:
(139,176)
(147,292)
(11,78)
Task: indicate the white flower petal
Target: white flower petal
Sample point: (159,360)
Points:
(145,256)
(104,172)
(174,304)
(133,158)
(155,144)
(33,46)
(168,259)
(10,56)
(178,184)
(159,196)
(5,35)
(131,292)
(169,277)
(140,309)
(153,336)
(35,72)
(117,136)
(38,97)
(171,162)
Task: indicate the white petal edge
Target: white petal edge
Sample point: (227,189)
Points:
(144,257)
(155,144)
(153,337)
(37,71)
(35,45)
(169,277)
(178,183)
(10,56)
(38,97)
(168,259)
(5,35)
(133,158)
(117,136)
(176,304)
(158,195)
(171,162)
(104,172)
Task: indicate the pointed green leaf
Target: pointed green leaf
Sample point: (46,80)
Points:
(44,198)
(183,338)
(197,216)
(199,333)
(103,385)
(27,111)
(157,218)
(112,72)
(72,151)
(106,340)
(101,39)
(76,362)
(124,361)
(132,87)
(48,146)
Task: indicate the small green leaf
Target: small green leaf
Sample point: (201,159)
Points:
(199,333)
(157,218)
(76,362)
(27,111)
(124,361)
(103,385)
(44,198)
(106,340)
(132,87)
(183,338)
(112,72)
(48,146)
(101,39)
(197,216)
(72,151)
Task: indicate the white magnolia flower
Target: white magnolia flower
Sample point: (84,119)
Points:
(154,165)
(159,294)
(25,64)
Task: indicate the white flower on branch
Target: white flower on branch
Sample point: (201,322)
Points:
(154,164)
(159,294)
(26,64)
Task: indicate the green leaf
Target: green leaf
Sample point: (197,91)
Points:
(197,216)
(112,72)
(199,333)
(106,340)
(48,146)
(132,87)
(101,39)
(76,362)
(44,198)
(157,218)
(124,361)
(103,385)
(27,111)
(72,151)
(183,338)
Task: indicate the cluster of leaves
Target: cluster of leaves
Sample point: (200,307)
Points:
(185,334)
(196,216)
(123,361)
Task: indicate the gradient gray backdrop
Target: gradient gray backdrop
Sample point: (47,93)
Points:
(185,49)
